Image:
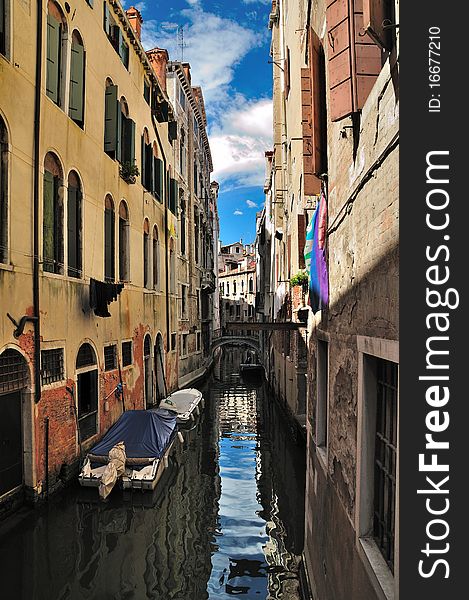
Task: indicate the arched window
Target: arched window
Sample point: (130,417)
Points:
(119,130)
(156,259)
(227,288)
(56,53)
(234,288)
(242,286)
(74,225)
(3,192)
(77,80)
(146,254)
(109,240)
(251,285)
(147,162)
(53,215)
(87,391)
(148,374)
(183,224)
(124,251)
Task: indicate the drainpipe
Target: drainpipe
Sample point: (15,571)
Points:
(36,176)
(166,237)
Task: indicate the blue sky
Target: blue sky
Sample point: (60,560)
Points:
(227,43)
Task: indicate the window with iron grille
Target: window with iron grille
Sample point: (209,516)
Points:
(13,371)
(385,459)
(52,366)
(110,358)
(126,354)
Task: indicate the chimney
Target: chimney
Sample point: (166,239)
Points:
(159,58)
(135,19)
(187,71)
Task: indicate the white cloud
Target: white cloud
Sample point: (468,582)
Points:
(240,129)
(237,212)
(251,204)
(214,46)
(239,141)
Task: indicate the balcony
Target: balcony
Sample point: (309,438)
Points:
(208,280)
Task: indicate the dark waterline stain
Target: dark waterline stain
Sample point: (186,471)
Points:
(226,520)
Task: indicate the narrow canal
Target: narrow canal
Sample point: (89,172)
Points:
(226,519)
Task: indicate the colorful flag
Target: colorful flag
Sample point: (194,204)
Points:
(315,257)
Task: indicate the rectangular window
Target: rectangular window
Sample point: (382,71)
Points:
(385,459)
(184,301)
(322,382)
(184,337)
(173,341)
(158,178)
(199,305)
(111,123)
(110,357)
(126,354)
(52,366)
(198,341)
(377,454)
(173,195)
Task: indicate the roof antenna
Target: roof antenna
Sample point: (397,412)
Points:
(181,43)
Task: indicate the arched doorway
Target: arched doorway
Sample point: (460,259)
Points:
(148,372)
(13,382)
(87,391)
(161,391)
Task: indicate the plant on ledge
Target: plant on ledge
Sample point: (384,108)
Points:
(300,279)
(129,172)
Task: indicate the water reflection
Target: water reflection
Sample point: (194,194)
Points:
(226,520)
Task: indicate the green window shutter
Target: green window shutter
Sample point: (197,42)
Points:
(143,161)
(123,50)
(111,119)
(109,244)
(48,223)
(158,170)
(77,83)
(106,19)
(149,168)
(74,231)
(128,140)
(53,58)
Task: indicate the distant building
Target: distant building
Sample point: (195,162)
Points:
(237,283)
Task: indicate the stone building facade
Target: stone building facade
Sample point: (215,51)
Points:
(89,224)
(237,284)
(339,80)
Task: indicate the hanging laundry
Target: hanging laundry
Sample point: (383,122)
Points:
(315,257)
(102,294)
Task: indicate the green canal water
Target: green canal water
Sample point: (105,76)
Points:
(225,520)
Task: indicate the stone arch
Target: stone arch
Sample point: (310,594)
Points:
(16,464)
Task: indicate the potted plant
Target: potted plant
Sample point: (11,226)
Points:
(129,172)
(301,280)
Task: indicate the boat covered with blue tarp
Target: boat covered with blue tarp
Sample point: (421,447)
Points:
(135,450)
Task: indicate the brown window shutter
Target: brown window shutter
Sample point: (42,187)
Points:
(368,59)
(301,241)
(374,13)
(354,61)
(339,54)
